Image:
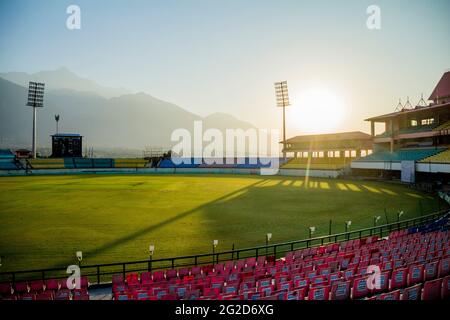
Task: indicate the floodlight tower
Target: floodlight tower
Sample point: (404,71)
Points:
(57,122)
(35,100)
(281,91)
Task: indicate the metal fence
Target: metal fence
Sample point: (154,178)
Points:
(101,273)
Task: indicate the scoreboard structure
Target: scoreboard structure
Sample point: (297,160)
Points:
(67,145)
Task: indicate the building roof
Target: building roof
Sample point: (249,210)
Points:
(409,111)
(354,135)
(442,89)
(66,135)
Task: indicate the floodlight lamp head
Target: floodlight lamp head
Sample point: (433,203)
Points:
(80,255)
(215,243)
(151,249)
(377,218)
(312,229)
(400,213)
(269,236)
(282,94)
(36,94)
(349,223)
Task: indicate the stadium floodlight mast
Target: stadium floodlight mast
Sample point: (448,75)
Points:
(282,95)
(57,123)
(35,100)
(79,255)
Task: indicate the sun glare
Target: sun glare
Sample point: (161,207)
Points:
(316,111)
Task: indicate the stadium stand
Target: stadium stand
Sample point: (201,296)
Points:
(410,129)
(415,129)
(443,157)
(414,264)
(235,163)
(444,126)
(8,160)
(52,289)
(402,155)
(51,163)
(103,163)
(85,163)
(82,163)
(188,163)
(317,163)
(130,163)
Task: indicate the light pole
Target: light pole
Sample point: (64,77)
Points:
(151,250)
(375,220)
(311,231)
(399,214)
(35,100)
(79,255)
(57,122)
(281,91)
(268,237)
(347,225)
(214,245)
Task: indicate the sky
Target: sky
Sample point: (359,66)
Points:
(224,56)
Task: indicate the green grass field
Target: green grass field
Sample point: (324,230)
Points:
(113,218)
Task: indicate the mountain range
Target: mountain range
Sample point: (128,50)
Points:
(105,117)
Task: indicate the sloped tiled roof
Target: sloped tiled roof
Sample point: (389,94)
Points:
(354,135)
(442,89)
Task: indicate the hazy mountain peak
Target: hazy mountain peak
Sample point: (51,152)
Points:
(63,78)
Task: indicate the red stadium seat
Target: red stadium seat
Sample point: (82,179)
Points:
(36,286)
(298,294)
(146,278)
(172,273)
(321,293)
(360,289)
(5,289)
(394,295)
(340,291)
(431,270)
(117,279)
(52,284)
(399,278)
(63,294)
(446,287)
(415,274)
(412,293)
(20,287)
(444,267)
(132,279)
(432,290)
(158,276)
(45,296)
(384,283)
(27,296)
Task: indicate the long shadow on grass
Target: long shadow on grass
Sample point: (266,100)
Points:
(159,225)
